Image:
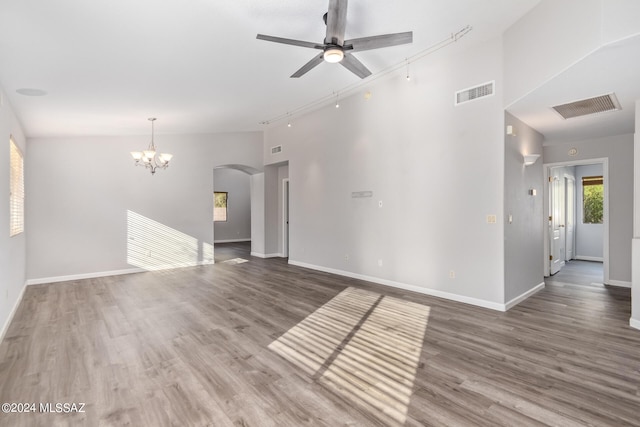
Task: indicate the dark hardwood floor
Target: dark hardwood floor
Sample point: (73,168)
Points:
(263,343)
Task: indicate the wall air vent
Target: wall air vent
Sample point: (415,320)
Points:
(584,107)
(473,93)
(277,149)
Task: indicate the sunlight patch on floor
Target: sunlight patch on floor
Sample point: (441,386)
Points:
(235,261)
(364,346)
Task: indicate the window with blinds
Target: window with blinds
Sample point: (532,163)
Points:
(16,190)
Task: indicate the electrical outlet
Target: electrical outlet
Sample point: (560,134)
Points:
(380,203)
(346,257)
(452,274)
(491,219)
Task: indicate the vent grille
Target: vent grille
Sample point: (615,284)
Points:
(473,93)
(584,107)
(277,149)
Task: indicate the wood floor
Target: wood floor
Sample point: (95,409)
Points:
(579,272)
(262,343)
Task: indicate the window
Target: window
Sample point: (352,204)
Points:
(16,190)
(592,199)
(220,206)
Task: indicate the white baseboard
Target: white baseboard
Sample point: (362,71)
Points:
(97,274)
(517,300)
(427,291)
(634,323)
(261,255)
(231,241)
(5,327)
(619,283)
(589,258)
(57,279)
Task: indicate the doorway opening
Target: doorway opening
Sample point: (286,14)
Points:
(231,214)
(577,241)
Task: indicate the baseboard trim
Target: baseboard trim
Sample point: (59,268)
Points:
(71,277)
(634,323)
(5,327)
(589,258)
(231,241)
(427,291)
(261,255)
(97,274)
(517,300)
(619,283)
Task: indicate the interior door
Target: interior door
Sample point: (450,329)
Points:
(570,221)
(556,223)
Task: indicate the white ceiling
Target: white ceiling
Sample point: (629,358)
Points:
(108,65)
(612,69)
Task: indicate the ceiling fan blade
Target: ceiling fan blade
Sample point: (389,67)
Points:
(289,41)
(308,66)
(352,64)
(376,42)
(336,22)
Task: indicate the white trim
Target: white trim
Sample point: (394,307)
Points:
(517,300)
(98,274)
(432,292)
(261,255)
(232,240)
(12,313)
(619,283)
(588,258)
(285,229)
(634,323)
(606,220)
(56,279)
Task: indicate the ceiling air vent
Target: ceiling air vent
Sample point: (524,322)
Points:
(599,104)
(277,149)
(473,93)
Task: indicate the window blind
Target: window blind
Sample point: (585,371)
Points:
(16,190)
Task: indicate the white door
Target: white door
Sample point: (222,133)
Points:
(570,222)
(556,223)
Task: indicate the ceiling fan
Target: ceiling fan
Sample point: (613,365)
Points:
(335,48)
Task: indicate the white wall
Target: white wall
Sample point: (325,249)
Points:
(257,214)
(238,224)
(589,237)
(85,197)
(524,236)
(438,170)
(12,249)
(635,290)
(619,151)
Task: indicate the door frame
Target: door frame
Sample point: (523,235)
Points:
(285,217)
(605,221)
(566,178)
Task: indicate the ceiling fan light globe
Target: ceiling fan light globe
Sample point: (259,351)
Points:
(333,55)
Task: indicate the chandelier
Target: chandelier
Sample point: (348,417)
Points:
(149,159)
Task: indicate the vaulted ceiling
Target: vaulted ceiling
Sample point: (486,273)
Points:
(109,65)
